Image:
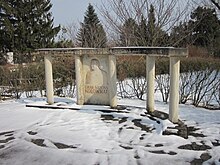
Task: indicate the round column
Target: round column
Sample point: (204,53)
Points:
(174,89)
(113,81)
(150,83)
(79,80)
(49,79)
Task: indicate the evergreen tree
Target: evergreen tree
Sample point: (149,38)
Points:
(63,41)
(146,33)
(155,35)
(151,27)
(181,35)
(26,25)
(143,33)
(7,24)
(202,30)
(206,28)
(7,21)
(91,33)
(129,33)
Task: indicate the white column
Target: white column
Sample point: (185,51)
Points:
(49,78)
(79,80)
(174,89)
(10,57)
(150,82)
(112,80)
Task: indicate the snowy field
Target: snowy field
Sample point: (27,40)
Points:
(38,136)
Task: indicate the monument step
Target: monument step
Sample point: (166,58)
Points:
(119,108)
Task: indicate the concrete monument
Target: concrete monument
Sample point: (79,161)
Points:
(96,74)
(96,80)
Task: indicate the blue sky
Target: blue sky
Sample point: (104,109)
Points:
(68,11)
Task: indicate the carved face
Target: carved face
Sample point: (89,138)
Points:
(94,64)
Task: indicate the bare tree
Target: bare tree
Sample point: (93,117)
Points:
(217,94)
(216,3)
(199,86)
(187,82)
(162,81)
(69,32)
(168,13)
(132,88)
(204,85)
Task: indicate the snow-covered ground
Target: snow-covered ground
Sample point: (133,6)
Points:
(39,136)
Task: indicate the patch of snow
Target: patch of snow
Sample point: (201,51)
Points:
(41,136)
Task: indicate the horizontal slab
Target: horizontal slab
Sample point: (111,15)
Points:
(72,51)
(151,51)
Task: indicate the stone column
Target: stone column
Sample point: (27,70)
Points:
(112,80)
(10,57)
(150,83)
(79,80)
(49,79)
(174,89)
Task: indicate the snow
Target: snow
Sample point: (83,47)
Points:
(45,136)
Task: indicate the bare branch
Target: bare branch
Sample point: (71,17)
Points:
(168,12)
(216,3)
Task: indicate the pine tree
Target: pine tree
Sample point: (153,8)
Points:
(151,27)
(146,33)
(206,29)
(129,33)
(91,33)
(7,22)
(26,25)
(143,33)
(180,35)
(155,35)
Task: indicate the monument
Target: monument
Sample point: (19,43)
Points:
(96,79)
(96,74)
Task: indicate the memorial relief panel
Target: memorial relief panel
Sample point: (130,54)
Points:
(96,81)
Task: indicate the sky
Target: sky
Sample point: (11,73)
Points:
(68,11)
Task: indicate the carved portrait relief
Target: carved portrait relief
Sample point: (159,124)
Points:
(96,80)
(96,75)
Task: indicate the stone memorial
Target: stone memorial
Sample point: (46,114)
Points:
(95,85)
(96,81)
(96,77)
(96,74)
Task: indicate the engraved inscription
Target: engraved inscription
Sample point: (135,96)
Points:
(96,89)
